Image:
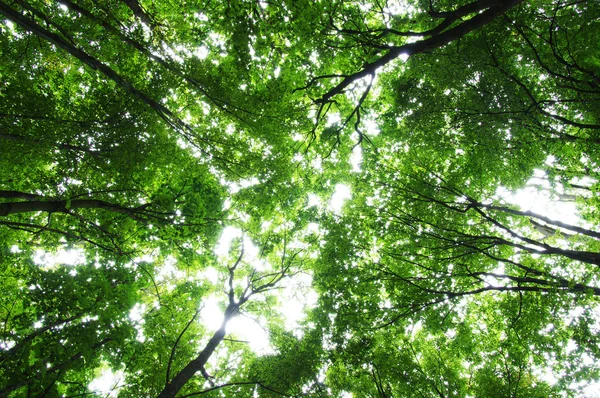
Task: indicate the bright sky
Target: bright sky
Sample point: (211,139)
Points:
(297,294)
(532,198)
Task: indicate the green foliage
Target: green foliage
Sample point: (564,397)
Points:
(292,367)
(163,159)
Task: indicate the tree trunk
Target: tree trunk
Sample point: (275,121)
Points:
(180,126)
(432,43)
(61,206)
(196,365)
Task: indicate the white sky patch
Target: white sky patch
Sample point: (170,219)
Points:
(201,16)
(297,296)
(236,187)
(356,159)
(64,257)
(313,200)
(250,330)
(531,198)
(251,255)
(136,315)
(168,270)
(371,127)
(201,52)
(210,274)
(313,228)
(227,204)
(342,192)
(172,54)
(227,237)
(10,25)
(592,390)
(401,8)
(251,252)
(241,327)
(7,344)
(146,258)
(416,328)
(492,281)
(333,118)
(317,163)
(107,383)
(212,314)
(403,57)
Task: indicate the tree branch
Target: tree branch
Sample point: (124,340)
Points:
(168,375)
(434,42)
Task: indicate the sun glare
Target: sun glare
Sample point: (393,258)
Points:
(340,195)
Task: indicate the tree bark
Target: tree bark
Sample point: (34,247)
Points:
(574,228)
(140,13)
(437,41)
(62,206)
(197,364)
(180,126)
(19,195)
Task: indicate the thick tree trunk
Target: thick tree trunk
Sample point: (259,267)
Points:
(19,195)
(61,206)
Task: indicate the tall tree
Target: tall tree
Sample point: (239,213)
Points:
(160,159)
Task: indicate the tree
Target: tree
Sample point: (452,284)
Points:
(163,158)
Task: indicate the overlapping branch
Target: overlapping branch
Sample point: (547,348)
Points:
(256,284)
(440,36)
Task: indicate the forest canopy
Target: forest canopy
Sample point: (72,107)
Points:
(300,198)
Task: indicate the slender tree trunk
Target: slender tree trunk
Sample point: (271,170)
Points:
(139,12)
(180,126)
(198,363)
(421,46)
(38,332)
(574,228)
